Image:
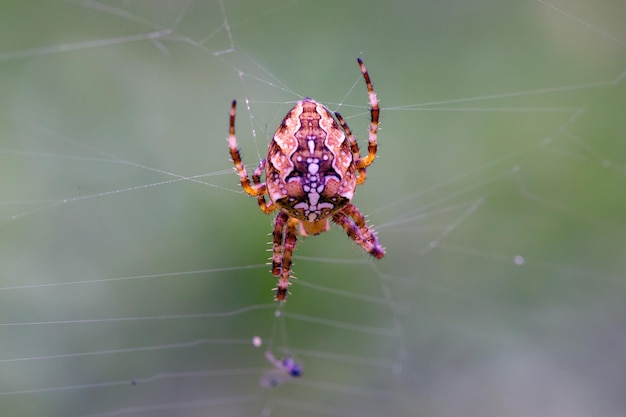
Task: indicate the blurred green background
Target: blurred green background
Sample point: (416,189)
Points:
(132,267)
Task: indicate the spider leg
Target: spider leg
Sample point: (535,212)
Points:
(256,179)
(253,190)
(374,113)
(354,146)
(353,222)
(279,230)
(289,245)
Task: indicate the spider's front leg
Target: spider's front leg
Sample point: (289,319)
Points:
(285,239)
(353,222)
(277,246)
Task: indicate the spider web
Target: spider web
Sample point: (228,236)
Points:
(132,268)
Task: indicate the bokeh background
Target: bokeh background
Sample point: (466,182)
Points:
(132,267)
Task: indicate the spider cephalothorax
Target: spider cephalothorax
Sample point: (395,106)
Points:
(312,167)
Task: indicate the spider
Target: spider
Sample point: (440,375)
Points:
(312,168)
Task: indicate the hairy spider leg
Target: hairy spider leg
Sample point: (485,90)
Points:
(374,113)
(353,222)
(256,179)
(256,189)
(277,244)
(354,147)
(291,238)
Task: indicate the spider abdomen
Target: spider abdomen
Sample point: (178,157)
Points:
(310,169)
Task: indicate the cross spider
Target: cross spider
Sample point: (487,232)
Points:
(311,170)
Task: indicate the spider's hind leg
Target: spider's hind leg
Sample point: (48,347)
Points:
(372,143)
(258,189)
(354,147)
(256,179)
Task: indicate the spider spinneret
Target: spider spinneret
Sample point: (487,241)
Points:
(312,168)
